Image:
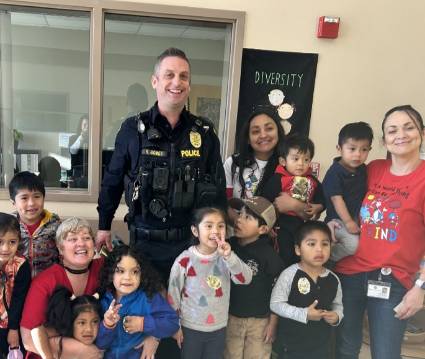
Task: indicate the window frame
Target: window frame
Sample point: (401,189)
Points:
(98,9)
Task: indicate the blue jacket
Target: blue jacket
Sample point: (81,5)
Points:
(160,321)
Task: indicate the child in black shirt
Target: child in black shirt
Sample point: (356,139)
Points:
(307,297)
(251,327)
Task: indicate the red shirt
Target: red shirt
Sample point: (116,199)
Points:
(392,219)
(32,227)
(44,284)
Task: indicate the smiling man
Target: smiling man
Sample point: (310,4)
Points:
(168,162)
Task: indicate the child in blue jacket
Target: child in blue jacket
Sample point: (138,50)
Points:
(132,305)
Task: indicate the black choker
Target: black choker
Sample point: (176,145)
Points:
(77,271)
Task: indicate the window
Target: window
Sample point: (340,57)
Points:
(70,76)
(132,44)
(44,59)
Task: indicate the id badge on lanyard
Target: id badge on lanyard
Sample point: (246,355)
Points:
(379,288)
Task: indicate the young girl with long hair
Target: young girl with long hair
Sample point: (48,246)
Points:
(73,317)
(199,286)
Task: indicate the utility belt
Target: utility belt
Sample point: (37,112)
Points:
(158,235)
(151,195)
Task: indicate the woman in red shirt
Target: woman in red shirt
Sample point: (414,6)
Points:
(380,277)
(78,272)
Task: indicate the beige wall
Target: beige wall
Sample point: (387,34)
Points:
(377,62)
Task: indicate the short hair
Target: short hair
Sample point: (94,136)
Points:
(300,143)
(356,131)
(170,52)
(9,223)
(72,224)
(25,180)
(309,226)
(49,170)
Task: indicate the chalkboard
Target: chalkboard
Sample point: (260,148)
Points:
(279,81)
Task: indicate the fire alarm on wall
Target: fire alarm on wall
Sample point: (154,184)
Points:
(328,27)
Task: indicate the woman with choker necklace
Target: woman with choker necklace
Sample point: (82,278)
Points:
(78,272)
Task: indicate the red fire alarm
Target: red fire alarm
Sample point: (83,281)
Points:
(328,27)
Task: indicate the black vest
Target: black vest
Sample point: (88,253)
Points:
(172,178)
(300,337)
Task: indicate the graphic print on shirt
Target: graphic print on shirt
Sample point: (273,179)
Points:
(379,212)
(251,263)
(251,184)
(302,188)
(303,285)
(214,282)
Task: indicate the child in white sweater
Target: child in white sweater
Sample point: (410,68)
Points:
(199,286)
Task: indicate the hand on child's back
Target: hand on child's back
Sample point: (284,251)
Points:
(313,313)
(352,227)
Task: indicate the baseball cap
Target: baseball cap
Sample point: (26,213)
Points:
(259,205)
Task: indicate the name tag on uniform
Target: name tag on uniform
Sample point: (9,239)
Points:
(378,289)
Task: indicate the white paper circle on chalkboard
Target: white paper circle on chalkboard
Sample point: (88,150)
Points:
(285,111)
(286,126)
(276,97)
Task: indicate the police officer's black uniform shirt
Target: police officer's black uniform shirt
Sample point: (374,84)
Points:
(184,139)
(253,300)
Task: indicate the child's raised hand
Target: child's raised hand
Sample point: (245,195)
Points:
(178,336)
(13,338)
(133,324)
(111,316)
(330,317)
(224,249)
(313,313)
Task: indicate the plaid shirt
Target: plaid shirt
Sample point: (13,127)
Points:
(40,248)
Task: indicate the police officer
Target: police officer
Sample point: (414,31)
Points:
(168,162)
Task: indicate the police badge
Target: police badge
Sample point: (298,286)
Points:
(303,285)
(195,139)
